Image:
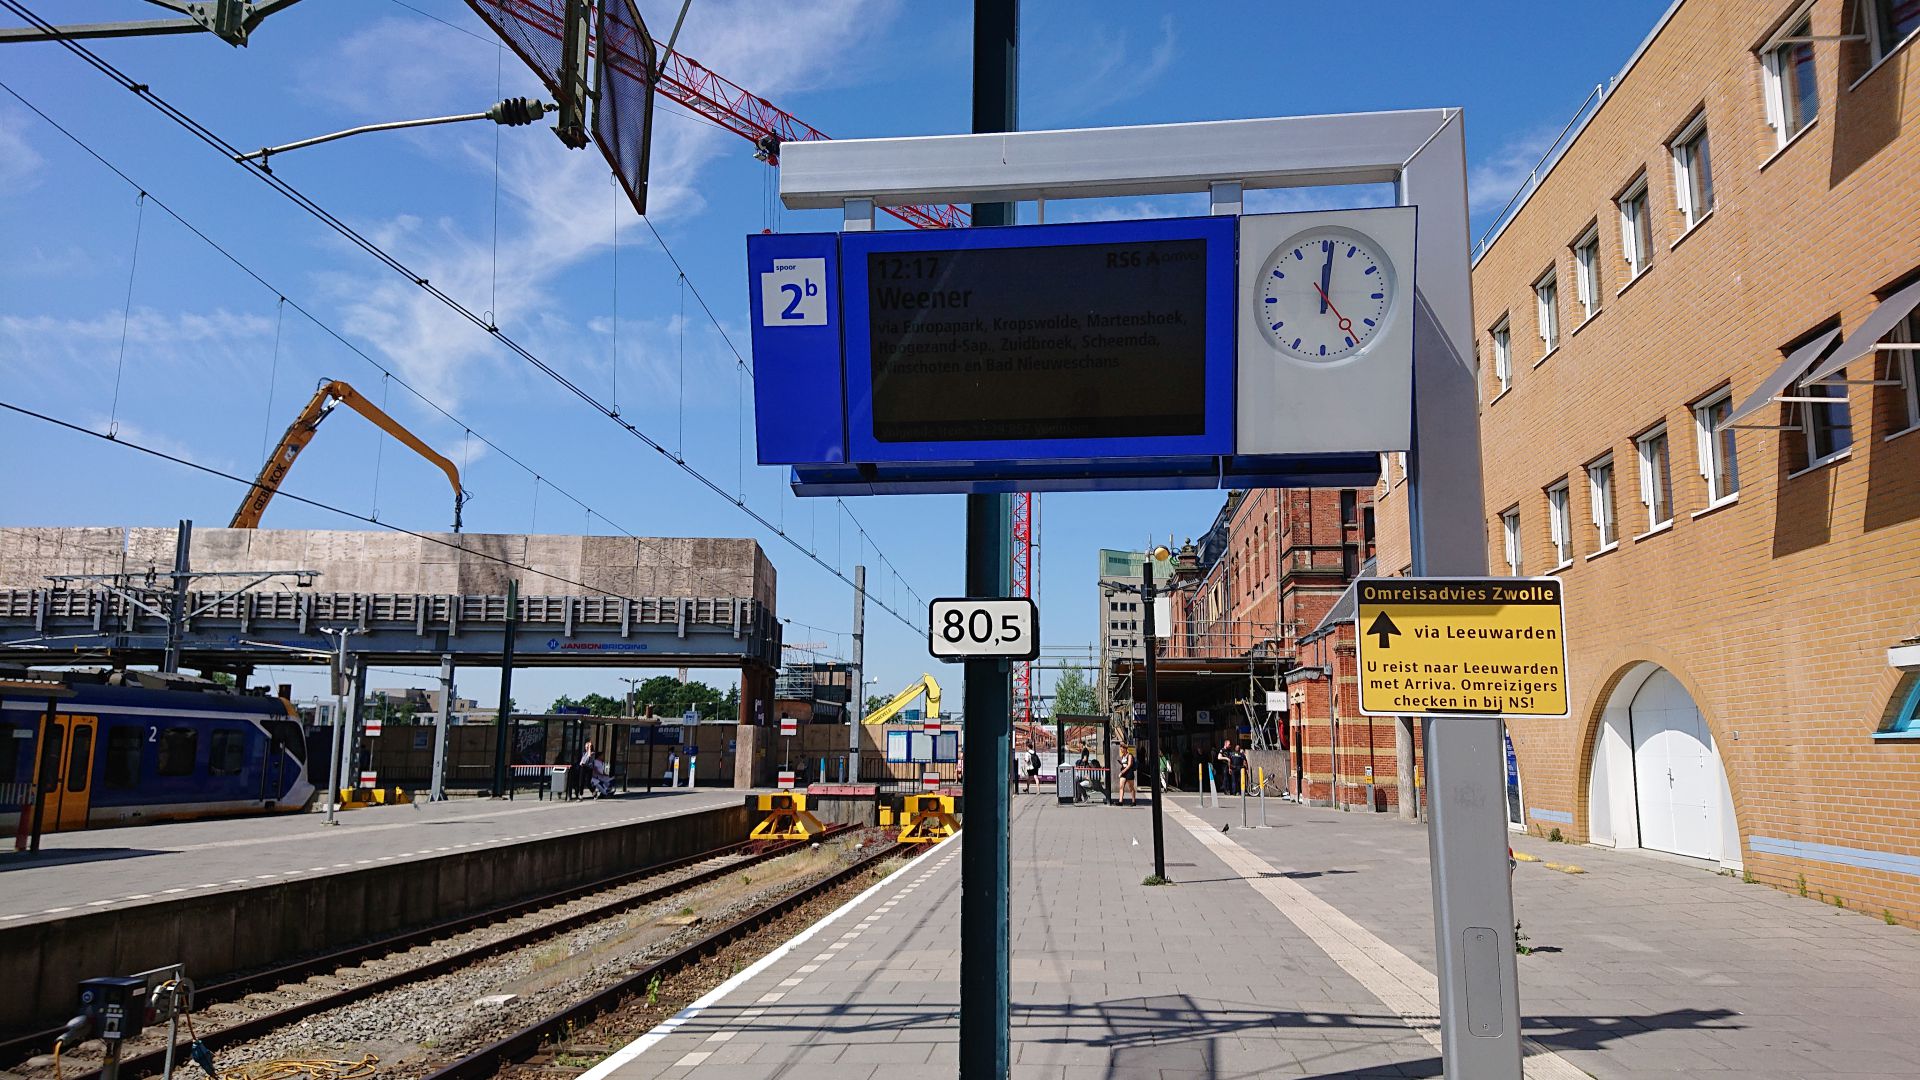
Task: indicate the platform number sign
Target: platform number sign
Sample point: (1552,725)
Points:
(794,293)
(963,628)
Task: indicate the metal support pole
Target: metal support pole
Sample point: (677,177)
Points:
(1403,767)
(356,716)
(177,610)
(986,1011)
(856,704)
(339,722)
(1153,715)
(1466,763)
(41,781)
(440,722)
(505,719)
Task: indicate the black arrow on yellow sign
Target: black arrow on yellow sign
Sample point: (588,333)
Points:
(1383,628)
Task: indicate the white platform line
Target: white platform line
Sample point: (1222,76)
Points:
(1396,979)
(634,1049)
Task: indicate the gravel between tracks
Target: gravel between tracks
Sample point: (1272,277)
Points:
(439,1017)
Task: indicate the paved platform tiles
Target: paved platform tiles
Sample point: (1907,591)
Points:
(106,868)
(1305,950)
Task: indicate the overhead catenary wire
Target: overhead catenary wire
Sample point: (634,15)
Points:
(387,374)
(357,239)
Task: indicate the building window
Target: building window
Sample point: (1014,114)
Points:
(1349,506)
(1904,718)
(1510,532)
(1636,229)
(1828,424)
(1503,354)
(178,747)
(1560,523)
(1903,364)
(1586,269)
(123,755)
(1546,293)
(1719,464)
(1786,64)
(1892,23)
(1656,477)
(1600,491)
(1693,172)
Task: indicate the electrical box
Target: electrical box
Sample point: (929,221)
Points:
(117,1004)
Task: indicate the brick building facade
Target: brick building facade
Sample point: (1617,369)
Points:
(1737,531)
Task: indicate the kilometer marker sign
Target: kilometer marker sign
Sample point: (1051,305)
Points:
(1438,646)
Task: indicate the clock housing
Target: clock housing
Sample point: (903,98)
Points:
(1325,331)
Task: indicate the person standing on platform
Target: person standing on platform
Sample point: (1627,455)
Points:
(1033,769)
(1129,789)
(1238,755)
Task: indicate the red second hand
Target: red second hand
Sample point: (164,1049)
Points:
(1346,324)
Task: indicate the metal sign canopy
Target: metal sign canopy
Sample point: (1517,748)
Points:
(1422,153)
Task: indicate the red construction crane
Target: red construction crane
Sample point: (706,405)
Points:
(768,127)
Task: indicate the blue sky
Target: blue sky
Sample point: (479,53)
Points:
(180,349)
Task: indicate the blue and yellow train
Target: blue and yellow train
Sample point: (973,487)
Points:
(124,748)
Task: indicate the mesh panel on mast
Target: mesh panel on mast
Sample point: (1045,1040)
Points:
(623,85)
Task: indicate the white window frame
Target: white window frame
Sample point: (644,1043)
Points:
(1601,503)
(1775,62)
(1684,165)
(1631,222)
(1906,366)
(1502,334)
(1707,448)
(1510,533)
(1659,504)
(1839,395)
(1560,521)
(1546,309)
(1586,271)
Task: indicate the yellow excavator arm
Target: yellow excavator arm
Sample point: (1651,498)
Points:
(332,392)
(924,685)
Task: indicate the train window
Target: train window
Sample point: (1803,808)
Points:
(10,752)
(80,759)
(50,759)
(227,752)
(178,747)
(123,755)
(292,739)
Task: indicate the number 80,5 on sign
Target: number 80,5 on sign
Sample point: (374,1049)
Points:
(983,629)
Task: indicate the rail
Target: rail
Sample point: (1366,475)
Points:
(18,1049)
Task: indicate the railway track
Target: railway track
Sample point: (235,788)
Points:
(682,875)
(523,1044)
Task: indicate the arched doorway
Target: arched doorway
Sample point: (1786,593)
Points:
(1658,781)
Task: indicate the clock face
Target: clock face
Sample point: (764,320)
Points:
(1324,294)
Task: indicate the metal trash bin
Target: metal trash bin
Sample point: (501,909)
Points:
(1066,783)
(557,781)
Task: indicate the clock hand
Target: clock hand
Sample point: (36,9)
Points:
(1346,324)
(1326,279)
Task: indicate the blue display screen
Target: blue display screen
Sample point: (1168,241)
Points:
(1111,339)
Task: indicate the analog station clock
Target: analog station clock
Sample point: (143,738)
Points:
(1324,294)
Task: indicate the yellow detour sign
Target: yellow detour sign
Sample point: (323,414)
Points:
(1490,646)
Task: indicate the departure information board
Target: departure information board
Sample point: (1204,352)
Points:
(1070,341)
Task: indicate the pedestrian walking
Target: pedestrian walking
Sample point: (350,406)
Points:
(1129,790)
(1033,769)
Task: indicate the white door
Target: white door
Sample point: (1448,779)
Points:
(1675,770)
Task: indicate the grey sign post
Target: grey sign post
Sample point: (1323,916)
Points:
(1421,152)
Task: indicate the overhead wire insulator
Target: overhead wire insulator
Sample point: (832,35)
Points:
(517,112)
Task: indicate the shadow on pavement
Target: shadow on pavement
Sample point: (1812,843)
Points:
(21,860)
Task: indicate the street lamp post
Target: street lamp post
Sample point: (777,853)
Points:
(1153,717)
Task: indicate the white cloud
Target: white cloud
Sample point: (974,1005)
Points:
(19,162)
(557,205)
(1493,179)
(217,342)
(1107,69)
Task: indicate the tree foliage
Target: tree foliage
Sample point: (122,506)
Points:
(1073,694)
(668,697)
